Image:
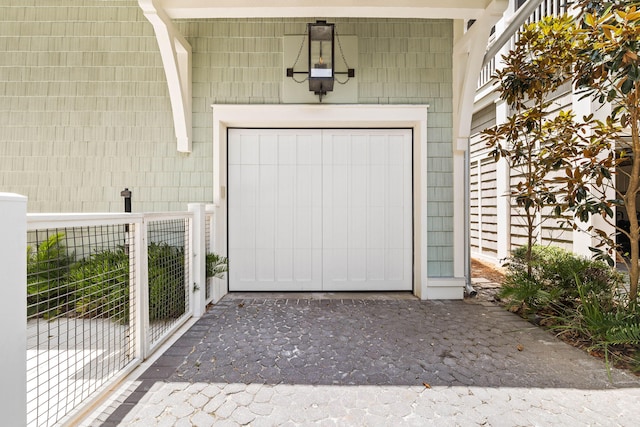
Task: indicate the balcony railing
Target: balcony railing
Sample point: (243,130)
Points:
(545,8)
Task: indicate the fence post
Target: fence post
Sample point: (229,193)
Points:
(199,258)
(141,289)
(13,309)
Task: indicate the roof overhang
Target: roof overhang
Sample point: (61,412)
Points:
(176,51)
(425,9)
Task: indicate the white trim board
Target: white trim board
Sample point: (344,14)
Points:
(334,116)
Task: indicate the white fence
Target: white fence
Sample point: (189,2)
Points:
(103,292)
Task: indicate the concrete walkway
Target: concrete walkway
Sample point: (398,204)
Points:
(392,360)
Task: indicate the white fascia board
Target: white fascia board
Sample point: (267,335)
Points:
(425,9)
(176,59)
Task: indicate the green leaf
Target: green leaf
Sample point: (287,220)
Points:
(626,87)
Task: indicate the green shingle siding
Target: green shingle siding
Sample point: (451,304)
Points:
(85,111)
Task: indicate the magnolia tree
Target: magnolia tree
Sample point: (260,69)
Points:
(535,143)
(607,69)
(568,163)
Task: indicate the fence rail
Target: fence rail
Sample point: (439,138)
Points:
(103,292)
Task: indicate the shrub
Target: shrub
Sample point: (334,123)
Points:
(101,285)
(216,265)
(167,289)
(98,286)
(553,283)
(47,267)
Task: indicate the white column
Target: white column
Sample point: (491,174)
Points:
(583,239)
(459,219)
(199,258)
(503,193)
(13,309)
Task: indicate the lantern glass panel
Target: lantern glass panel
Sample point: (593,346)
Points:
(321,51)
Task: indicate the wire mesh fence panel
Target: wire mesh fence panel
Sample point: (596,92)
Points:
(168,275)
(79,330)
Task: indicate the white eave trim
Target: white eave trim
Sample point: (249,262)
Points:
(425,9)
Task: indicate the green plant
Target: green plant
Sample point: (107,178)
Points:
(217,265)
(605,327)
(523,293)
(47,267)
(100,285)
(548,281)
(167,290)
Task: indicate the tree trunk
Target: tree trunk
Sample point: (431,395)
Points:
(630,202)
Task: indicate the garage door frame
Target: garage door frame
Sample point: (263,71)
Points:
(328,116)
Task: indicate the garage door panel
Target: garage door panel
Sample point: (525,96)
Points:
(249,185)
(335,264)
(247,239)
(268,150)
(378,151)
(308,151)
(358,264)
(284,264)
(395,230)
(376,227)
(337,177)
(326,210)
(265,266)
(266,228)
(268,178)
(336,228)
(357,233)
(367,185)
(284,229)
(242,265)
(285,188)
(394,265)
(336,150)
(303,226)
(249,150)
(358,186)
(286,150)
(394,184)
(377,185)
(375,264)
(359,150)
(304,265)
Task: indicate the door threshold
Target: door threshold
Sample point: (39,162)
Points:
(314,295)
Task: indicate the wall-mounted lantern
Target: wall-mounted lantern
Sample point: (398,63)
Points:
(321,65)
(321,60)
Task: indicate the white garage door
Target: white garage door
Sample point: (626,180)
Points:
(320,210)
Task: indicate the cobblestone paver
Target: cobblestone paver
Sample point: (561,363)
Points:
(270,362)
